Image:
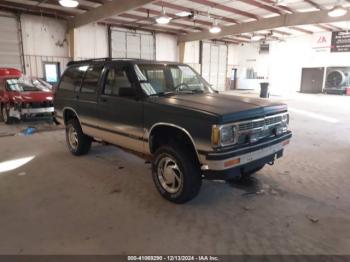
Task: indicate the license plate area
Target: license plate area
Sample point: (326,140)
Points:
(252,156)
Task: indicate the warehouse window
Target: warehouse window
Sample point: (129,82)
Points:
(91,79)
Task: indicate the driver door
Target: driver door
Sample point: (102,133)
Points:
(120,110)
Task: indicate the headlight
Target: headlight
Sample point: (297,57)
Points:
(223,135)
(285,119)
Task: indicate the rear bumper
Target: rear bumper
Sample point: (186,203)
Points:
(217,164)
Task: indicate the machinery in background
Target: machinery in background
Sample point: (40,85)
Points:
(337,80)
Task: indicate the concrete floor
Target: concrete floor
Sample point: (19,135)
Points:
(105,203)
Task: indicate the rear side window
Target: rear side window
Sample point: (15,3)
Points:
(72,78)
(91,79)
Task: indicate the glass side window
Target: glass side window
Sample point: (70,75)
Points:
(162,79)
(185,78)
(116,79)
(155,75)
(91,79)
(72,78)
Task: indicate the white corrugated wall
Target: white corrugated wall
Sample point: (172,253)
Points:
(10,49)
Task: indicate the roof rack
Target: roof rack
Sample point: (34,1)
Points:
(89,60)
(105,59)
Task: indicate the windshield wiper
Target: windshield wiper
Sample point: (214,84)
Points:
(194,91)
(164,94)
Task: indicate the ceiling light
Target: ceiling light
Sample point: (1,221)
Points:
(184,14)
(337,11)
(163,19)
(215,29)
(69,3)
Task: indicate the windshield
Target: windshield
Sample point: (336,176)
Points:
(157,79)
(27,85)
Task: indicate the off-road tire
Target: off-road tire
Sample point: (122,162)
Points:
(83,141)
(191,179)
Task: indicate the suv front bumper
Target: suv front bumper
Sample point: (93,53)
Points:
(223,165)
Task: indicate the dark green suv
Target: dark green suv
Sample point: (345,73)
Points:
(166,112)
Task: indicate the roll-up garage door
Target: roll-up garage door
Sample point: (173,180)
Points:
(10,55)
(214,64)
(126,44)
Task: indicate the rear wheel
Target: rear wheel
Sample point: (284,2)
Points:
(5,114)
(78,143)
(176,174)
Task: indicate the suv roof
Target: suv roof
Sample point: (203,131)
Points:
(133,61)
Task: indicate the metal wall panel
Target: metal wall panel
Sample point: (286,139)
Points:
(10,55)
(126,44)
(214,64)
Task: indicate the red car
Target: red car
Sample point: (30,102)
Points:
(22,98)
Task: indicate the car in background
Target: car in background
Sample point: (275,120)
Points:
(22,97)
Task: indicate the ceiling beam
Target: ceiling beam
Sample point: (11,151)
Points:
(152,21)
(336,28)
(225,8)
(281,32)
(19,10)
(282,7)
(302,30)
(39,9)
(286,20)
(314,4)
(324,27)
(135,26)
(195,22)
(55,3)
(182,8)
(107,10)
(262,6)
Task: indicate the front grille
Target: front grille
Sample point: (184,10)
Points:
(254,124)
(257,129)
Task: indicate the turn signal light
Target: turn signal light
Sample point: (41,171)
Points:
(284,143)
(232,162)
(215,136)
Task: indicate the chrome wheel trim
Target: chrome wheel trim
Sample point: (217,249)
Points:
(169,174)
(73,138)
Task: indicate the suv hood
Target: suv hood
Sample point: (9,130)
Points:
(227,107)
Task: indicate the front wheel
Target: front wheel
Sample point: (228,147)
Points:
(78,143)
(5,114)
(176,174)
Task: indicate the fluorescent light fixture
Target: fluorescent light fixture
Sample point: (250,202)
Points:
(215,29)
(69,3)
(337,11)
(163,19)
(184,14)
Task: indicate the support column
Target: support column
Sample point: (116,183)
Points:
(182,46)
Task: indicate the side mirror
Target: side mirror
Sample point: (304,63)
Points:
(127,92)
